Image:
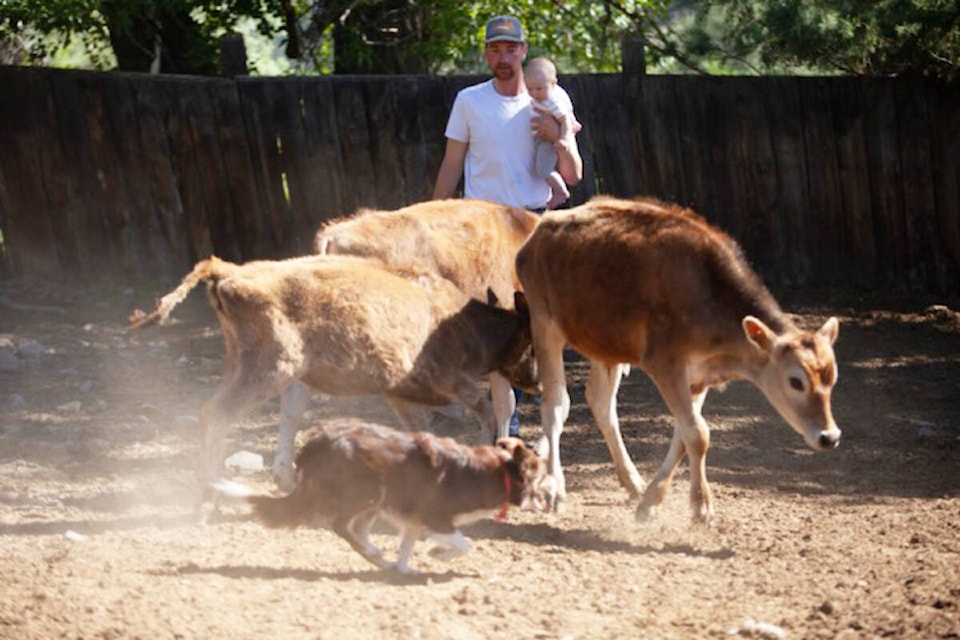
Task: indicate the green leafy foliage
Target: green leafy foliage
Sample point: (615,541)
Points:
(879,37)
(862,37)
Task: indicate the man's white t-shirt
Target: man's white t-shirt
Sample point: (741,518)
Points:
(500,154)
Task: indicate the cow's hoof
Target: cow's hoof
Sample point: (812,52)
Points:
(646,514)
(557,504)
(285,476)
(634,485)
(542,448)
(702,517)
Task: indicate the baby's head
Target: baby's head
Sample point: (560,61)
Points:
(540,76)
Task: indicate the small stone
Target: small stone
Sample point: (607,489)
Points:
(8,361)
(245,462)
(31,348)
(70,407)
(925,433)
(98,444)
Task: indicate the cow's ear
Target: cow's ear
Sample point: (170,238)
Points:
(830,330)
(758,333)
(520,302)
(492,298)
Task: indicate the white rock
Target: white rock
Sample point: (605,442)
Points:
(245,461)
(73,536)
(758,629)
(70,407)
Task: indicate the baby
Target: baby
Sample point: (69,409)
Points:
(540,76)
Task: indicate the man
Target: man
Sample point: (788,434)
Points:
(490,143)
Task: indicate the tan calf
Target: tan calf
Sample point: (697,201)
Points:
(653,285)
(347,326)
(471,243)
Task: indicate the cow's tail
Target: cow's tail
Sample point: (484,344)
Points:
(204,271)
(287,511)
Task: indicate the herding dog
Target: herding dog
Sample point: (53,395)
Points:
(350,473)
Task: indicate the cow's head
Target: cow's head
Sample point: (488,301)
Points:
(520,365)
(799,376)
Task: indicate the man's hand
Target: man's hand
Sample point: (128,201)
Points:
(544,126)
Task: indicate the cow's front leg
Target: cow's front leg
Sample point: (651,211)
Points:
(601,394)
(293,405)
(555,403)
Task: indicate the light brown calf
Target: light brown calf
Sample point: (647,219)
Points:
(653,285)
(347,326)
(471,243)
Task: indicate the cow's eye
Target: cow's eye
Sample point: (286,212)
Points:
(796,383)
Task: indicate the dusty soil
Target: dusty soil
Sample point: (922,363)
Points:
(97,537)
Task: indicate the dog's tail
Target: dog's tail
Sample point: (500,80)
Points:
(282,512)
(204,271)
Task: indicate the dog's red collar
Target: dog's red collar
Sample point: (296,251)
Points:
(501,515)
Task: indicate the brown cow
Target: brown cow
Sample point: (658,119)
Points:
(471,243)
(348,326)
(653,285)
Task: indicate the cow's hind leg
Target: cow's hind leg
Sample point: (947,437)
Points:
(228,405)
(691,436)
(601,394)
(293,405)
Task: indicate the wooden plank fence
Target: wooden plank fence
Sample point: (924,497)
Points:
(842,182)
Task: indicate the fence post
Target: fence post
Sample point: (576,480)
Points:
(233,55)
(632,56)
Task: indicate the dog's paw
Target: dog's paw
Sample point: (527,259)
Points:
(446,554)
(404,569)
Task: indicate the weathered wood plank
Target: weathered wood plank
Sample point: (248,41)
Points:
(694,147)
(924,245)
(27,224)
(856,218)
(243,205)
(790,231)
(355,143)
(329,174)
(258,104)
(944,108)
(163,215)
(883,171)
(433,112)
(827,234)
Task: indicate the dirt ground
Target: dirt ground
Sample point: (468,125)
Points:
(97,536)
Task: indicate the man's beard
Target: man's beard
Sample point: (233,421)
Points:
(504,72)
